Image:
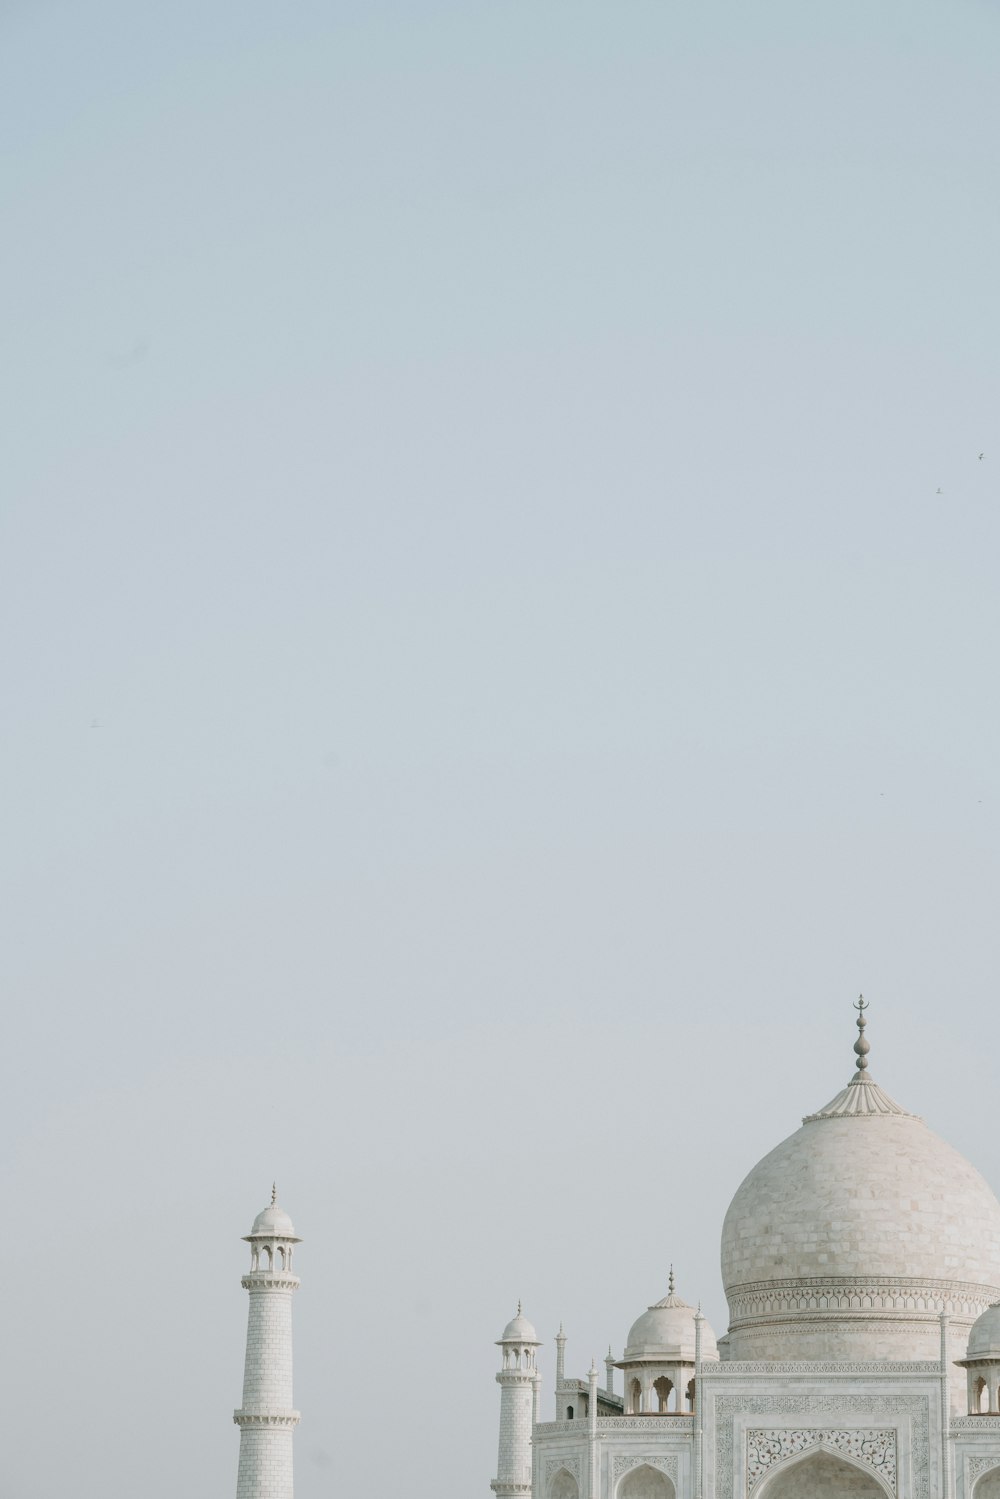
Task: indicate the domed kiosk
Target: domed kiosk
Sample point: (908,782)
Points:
(856,1257)
(661,1355)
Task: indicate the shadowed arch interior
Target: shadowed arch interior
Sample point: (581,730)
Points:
(822,1475)
(646,1483)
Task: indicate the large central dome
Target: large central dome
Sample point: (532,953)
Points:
(853,1235)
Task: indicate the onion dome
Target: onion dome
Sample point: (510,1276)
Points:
(665,1333)
(519,1330)
(853,1235)
(273,1222)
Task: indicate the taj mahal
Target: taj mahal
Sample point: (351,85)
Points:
(861,1264)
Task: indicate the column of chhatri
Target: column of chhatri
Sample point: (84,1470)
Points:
(517,1385)
(266,1418)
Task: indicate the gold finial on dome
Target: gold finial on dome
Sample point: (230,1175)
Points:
(670,1282)
(861,1046)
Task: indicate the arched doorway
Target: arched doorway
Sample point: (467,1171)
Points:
(645,1483)
(819,1474)
(564,1486)
(988,1487)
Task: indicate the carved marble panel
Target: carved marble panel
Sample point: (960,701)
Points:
(770,1445)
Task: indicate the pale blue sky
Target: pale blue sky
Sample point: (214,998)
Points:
(487,676)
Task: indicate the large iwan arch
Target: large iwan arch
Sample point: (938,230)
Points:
(820,1473)
(646,1483)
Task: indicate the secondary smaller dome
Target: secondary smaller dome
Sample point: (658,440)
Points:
(666,1333)
(519,1330)
(984,1334)
(273,1222)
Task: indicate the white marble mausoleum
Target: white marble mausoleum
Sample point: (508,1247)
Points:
(861,1263)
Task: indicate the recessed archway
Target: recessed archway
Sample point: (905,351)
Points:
(646,1483)
(564,1486)
(819,1473)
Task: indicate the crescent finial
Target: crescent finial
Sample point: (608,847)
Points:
(861,1046)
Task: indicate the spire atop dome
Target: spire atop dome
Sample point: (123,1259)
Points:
(862,1096)
(274,1194)
(671,1299)
(861,1046)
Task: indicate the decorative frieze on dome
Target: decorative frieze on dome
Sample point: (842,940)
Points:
(822,1369)
(770,1298)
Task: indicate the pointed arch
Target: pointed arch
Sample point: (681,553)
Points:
(645,1482)
(563,1485)
(828,1473)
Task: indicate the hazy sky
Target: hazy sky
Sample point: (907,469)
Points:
(488,675)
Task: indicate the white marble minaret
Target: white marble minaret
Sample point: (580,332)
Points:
(266,1418)
(517,1408)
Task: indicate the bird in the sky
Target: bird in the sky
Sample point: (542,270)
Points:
(981,457)
(940,491)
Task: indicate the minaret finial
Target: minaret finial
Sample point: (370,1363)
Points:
(274,1193)
(861,1047)
(519,1306)
(670,1282)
